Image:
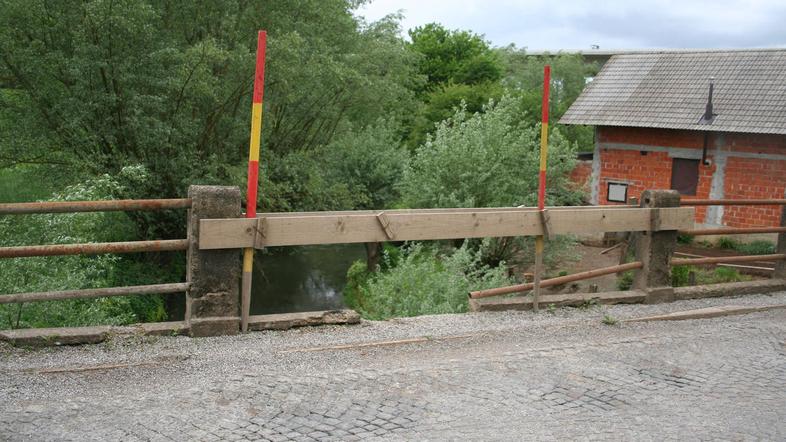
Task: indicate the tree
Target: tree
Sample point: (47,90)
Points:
(569,73)
(167,84)
(453,56)
(460,67)
(488,159)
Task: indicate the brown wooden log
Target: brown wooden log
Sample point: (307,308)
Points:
(733,231)
(93,206)
(731,202)
(94,248)
(96,293)
(556,281)
(727,259)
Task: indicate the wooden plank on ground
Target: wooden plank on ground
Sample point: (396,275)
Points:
(427,225)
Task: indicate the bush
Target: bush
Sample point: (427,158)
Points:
(625,282)
(77,272)
(487,159)
(422,283)
(680,275)
(759,247)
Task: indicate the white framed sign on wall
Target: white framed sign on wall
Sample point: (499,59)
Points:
(617,193)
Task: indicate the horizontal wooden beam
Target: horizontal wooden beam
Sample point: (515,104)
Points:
(726,259)
(431,224)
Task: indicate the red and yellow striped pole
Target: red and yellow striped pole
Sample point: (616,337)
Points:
(253,174)
(544,152)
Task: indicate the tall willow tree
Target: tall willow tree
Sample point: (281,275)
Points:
(101,84)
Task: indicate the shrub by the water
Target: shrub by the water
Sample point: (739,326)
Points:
(422,283)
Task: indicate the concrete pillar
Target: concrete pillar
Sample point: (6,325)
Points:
(655,248)
(780,266)
(212,303)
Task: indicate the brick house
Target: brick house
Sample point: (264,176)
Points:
(710,124)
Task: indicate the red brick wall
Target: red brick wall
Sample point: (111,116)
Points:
(581,174)
(753,178)
(744,177)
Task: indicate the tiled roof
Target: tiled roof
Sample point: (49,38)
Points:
(669,90)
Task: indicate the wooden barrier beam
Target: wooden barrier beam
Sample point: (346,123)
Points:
(297,229)
(589,274)
(727,259)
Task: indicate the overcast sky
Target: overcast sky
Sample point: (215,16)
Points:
(610,24)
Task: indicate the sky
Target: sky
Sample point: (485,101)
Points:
(610,24)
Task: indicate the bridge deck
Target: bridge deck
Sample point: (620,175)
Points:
(503,376)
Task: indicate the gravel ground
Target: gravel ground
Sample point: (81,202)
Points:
(563,374)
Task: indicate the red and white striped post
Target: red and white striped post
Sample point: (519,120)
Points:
(253,174)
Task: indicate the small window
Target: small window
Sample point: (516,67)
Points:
(685,176)
(617,193)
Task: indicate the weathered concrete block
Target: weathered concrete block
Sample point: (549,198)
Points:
(214,274)
(655,248)
(215,326)
(284,321)
(659,295)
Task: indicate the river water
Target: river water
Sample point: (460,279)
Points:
(302,279)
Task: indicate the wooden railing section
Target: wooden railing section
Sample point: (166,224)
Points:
(290,229)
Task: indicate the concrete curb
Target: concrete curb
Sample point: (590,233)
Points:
(709,312)
(286,321)
(38,337)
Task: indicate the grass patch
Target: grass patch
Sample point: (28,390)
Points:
(759,247)
(609,320)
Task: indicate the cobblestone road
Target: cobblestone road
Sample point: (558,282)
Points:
(488,377)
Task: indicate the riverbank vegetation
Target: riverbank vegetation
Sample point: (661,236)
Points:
(139,99)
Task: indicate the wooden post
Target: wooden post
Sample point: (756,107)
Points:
(780,266)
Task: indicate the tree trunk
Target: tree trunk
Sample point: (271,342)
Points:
(373,251)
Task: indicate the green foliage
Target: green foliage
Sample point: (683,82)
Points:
(625,281)
(21,184)
(725,274)
(78,272)
(369,162)
(727,243)
(424,283)
(460,67)
(609,320)
(453,56)
(569,73)
(685,239)
(102,84)
(758,247)
(487,160)
(680,275)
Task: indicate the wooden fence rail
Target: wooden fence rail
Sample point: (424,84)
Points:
(269,230)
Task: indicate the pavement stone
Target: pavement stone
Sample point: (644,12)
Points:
(720,379)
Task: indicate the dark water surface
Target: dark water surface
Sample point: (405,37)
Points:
(305,279)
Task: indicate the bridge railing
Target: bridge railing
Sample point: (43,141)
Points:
(779,257)
(217,231)
(94,248)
